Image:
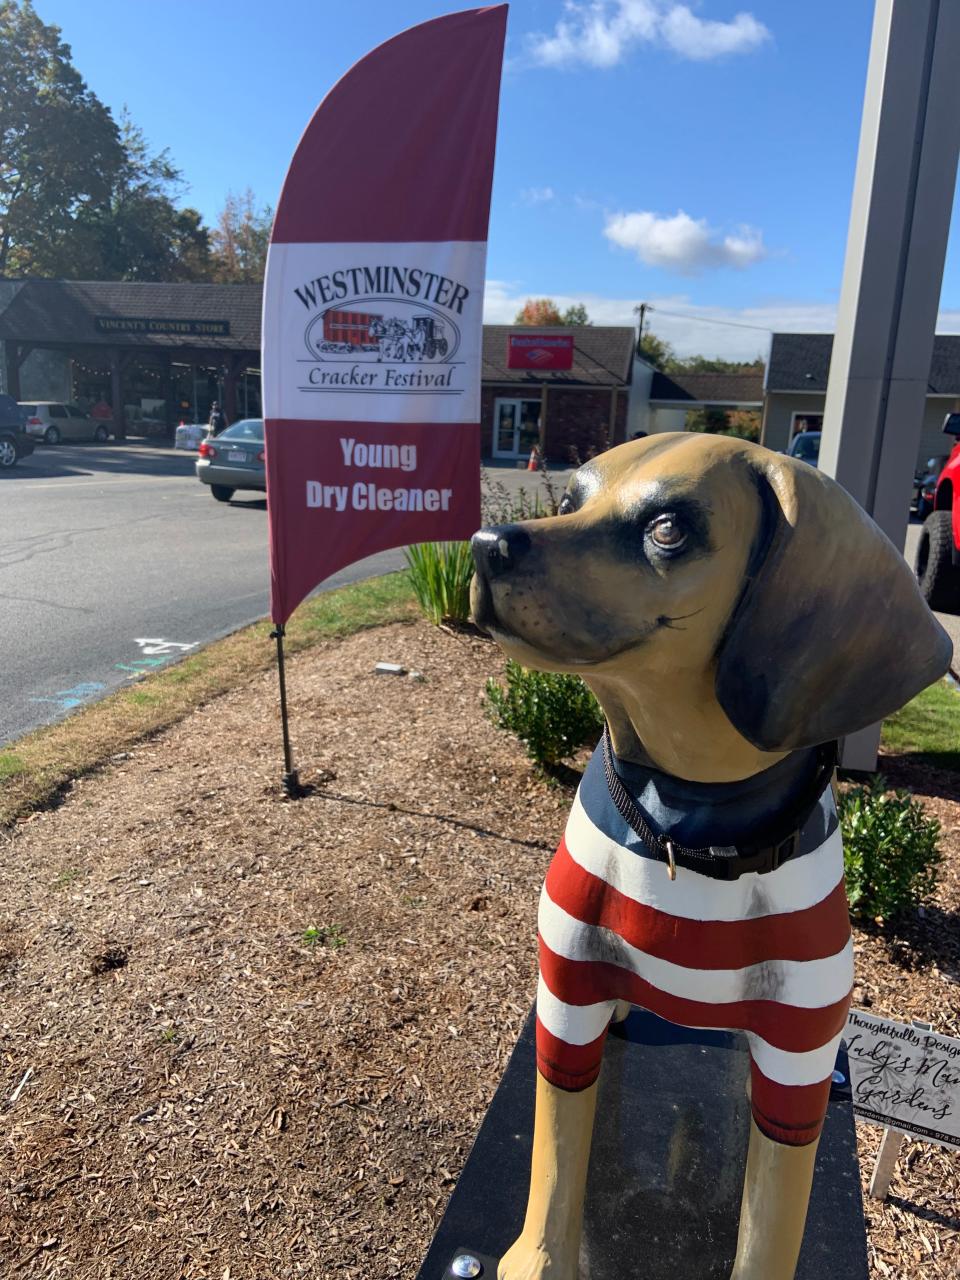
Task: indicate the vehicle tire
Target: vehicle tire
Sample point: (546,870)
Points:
(101,434)
(221,492)
(8,453)
(51,435)
(938,578)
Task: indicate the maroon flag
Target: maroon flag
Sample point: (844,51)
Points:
(373,301)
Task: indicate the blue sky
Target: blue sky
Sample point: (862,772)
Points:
(698,156)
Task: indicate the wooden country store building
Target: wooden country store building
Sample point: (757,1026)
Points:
(159,354)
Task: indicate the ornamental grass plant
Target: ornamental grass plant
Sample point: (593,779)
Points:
(440,573)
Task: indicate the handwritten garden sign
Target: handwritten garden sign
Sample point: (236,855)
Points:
(905,1077)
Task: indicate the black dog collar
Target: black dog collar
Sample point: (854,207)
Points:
(771,850)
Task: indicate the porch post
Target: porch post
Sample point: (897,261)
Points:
(116,394)
(12,358)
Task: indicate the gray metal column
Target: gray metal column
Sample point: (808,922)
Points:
(899,221)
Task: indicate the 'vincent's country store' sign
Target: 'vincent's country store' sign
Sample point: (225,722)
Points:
(152,327)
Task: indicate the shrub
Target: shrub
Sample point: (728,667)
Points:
(441,573)
(890,850)
(551,714)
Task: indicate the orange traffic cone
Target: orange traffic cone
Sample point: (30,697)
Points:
(532,462)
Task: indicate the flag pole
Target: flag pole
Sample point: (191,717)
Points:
(290,782)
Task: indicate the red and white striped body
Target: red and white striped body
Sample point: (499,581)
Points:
(768,954)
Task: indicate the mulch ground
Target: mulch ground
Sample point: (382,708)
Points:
(247,1039)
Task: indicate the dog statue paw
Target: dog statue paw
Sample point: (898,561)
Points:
(533,1260)
(736,613)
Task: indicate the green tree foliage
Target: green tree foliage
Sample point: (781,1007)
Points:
(708,364)
(60,148)
(138,232)
(81,197)
(576,314)
(656,351)
(240,240)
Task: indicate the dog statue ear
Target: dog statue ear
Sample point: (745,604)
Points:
(831,633)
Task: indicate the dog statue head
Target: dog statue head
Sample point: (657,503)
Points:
(726,604)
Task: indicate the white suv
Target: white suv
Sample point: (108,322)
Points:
(54,422)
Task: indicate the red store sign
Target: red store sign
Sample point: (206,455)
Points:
(540,351)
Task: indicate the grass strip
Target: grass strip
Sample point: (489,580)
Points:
(928,728)
(35,769)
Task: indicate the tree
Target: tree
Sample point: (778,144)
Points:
(576,314)
(656,351)
(710,364)
(60,148)
(540,312)
(240,240)
(138,232)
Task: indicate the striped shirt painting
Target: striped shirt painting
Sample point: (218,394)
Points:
(769,955)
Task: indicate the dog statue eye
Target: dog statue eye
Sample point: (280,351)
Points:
(566,505)
(667,533)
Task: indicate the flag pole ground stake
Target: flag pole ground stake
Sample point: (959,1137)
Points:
(290,782)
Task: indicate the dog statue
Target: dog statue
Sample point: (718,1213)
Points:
(736,613)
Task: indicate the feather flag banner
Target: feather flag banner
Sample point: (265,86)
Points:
(373,306)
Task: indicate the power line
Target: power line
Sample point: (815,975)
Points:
(732,324)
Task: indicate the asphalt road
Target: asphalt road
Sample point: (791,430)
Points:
(114,561)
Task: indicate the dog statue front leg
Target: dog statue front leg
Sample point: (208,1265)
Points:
(548,1247)
(776,1191)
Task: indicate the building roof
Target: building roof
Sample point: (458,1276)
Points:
(78,313)
(800,362)
(602,356)
(744,389)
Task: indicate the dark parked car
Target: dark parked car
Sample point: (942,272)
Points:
(14,441)
(233,460)
(806,447)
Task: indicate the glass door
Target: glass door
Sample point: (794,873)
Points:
(516,428)
(506,429)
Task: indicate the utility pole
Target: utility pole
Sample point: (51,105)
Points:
(641,311)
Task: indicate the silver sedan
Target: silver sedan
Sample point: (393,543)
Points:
(233,460)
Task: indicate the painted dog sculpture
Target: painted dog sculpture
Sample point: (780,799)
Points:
(734,611)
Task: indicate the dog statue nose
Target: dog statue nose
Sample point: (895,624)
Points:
(497,550)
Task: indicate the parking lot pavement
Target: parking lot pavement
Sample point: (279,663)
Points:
(949,621)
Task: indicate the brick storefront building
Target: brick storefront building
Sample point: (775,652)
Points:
(569,413)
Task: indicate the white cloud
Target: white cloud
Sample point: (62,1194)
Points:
(683,244)
(694,38)
(600,33)
(537,195)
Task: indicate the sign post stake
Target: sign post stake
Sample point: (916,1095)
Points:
(890,1145)
(290,781)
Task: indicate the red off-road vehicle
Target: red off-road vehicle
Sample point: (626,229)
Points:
(938,552)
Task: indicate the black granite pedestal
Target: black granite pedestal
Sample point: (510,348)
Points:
(666,1170)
